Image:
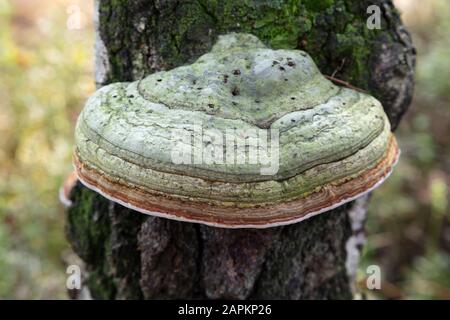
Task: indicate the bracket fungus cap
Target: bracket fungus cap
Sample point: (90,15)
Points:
(333,144)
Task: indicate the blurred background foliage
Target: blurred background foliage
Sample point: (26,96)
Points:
(45,78)
(46,66)
(409,217)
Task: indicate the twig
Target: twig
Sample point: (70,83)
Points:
(338,68)
(344,83)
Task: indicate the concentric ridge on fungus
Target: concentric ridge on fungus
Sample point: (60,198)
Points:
(335,144)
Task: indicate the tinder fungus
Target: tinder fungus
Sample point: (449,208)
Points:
(245,137)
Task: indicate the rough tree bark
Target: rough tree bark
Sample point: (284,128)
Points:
(131,255)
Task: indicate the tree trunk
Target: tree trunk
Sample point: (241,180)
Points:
(131,255)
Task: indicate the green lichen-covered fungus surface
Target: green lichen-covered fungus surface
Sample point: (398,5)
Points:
(326,133)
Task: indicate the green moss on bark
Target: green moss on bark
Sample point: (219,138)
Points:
(88,230)
(333,32)
(104,235)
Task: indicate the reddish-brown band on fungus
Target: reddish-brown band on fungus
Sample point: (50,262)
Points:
(266,215)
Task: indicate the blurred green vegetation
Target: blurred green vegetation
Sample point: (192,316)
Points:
(46,75)
(409,217)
